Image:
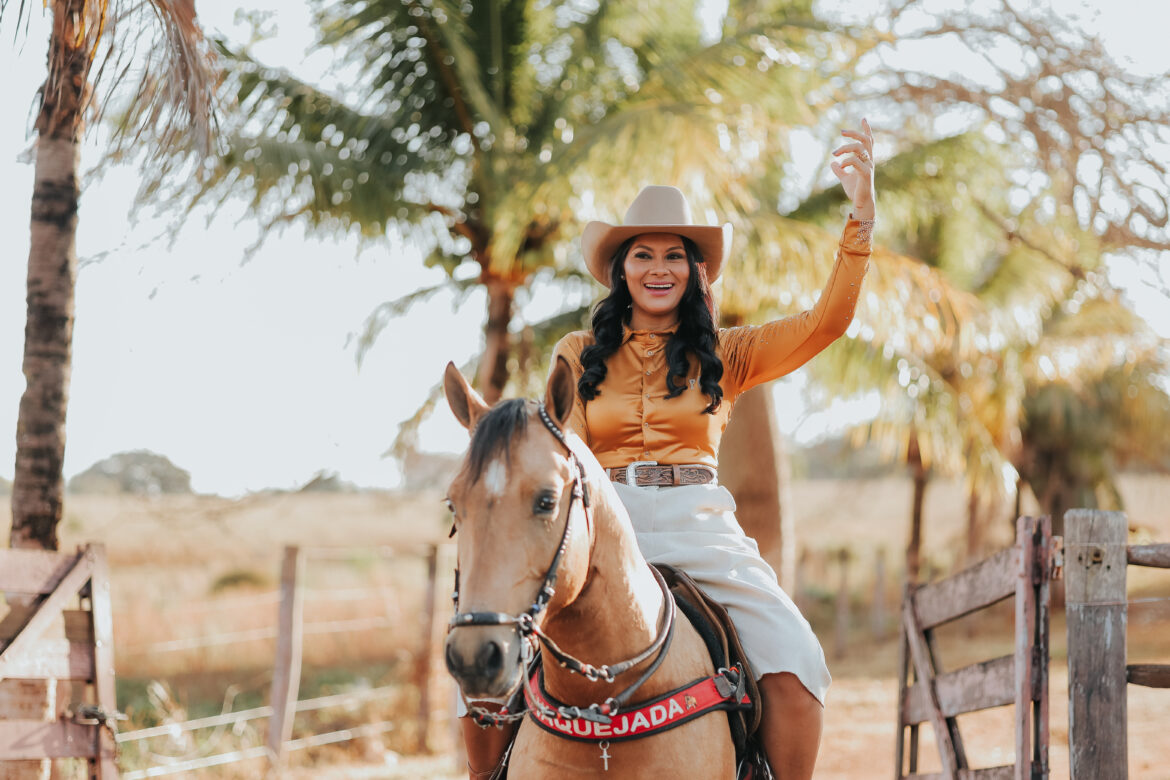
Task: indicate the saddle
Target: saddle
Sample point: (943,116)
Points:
(734,683)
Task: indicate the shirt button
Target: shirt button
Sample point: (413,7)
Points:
(649,352)
(653,336)
(647,373)
(647,396)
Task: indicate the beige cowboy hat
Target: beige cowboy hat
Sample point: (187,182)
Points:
(657,209)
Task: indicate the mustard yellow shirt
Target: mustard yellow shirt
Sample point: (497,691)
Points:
(631,419)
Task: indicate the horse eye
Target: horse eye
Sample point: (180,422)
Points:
(545,503)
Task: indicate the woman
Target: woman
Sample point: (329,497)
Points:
(657,381)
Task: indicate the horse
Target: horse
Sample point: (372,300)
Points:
(529,492)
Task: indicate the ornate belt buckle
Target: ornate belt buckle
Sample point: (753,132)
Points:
(631,475)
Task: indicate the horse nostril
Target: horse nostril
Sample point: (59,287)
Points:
(454,665)
(490,658)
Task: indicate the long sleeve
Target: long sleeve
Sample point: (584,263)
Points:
(569,347)
(754,354)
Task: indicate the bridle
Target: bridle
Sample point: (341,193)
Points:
(531,633)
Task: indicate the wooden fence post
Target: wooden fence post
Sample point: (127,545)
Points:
(105,690)
(1095,605)
(879,612)
(800,582)
(428,663)
(286,674)
(841,622)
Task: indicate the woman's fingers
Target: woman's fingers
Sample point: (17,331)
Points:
(859,149)
(864,136)
(856,162)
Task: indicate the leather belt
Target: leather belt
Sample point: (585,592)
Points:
(644,473)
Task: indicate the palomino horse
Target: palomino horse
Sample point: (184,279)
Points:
(527,494)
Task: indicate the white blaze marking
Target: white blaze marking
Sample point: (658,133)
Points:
(495,478)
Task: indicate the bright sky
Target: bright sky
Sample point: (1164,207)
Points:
(243,373)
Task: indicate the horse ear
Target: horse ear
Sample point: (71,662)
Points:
(561,392)
(467,405)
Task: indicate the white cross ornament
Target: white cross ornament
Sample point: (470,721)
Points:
(605,753)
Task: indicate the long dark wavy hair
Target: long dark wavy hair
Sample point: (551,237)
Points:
(695,334)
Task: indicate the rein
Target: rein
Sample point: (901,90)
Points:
(530,633)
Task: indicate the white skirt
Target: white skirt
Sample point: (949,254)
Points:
(693,528)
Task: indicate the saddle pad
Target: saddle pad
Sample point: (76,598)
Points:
(713,623)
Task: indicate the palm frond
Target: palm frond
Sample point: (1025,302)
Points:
(782,264)
(1093,335)
(406,440)
(917,400)
(172,103)
(149,59)
(293,149)
(414,61)
(385,313)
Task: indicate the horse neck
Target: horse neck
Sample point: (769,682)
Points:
(617,612)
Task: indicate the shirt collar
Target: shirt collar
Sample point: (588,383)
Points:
(628,334)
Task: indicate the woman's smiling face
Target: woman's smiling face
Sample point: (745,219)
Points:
(657,273)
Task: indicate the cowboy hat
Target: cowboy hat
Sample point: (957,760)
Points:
(657,209)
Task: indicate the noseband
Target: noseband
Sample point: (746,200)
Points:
(531,633)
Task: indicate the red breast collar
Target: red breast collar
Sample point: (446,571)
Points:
(720,692)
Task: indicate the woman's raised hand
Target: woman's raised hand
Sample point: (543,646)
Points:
(856,170)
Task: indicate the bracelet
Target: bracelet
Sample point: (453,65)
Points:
(865,230)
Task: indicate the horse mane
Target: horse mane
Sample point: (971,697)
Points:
(497,429)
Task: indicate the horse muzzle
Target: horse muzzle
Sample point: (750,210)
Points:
(485,660)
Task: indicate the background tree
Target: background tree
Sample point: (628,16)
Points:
(485,129)
(1078,157)
(162,41)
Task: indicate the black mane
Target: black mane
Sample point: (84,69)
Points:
(506,421)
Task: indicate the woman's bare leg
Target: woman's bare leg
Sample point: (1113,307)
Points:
(791,726)
(485,747)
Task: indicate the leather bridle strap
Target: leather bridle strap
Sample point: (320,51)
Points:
(610,673)
(526,620)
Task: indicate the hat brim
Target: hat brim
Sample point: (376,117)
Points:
(599,240)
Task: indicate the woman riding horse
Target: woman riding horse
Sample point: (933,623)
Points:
(656,382)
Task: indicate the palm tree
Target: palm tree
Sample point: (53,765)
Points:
(163,41)
(485,129)
(1095,403)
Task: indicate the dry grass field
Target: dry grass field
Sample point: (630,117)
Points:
(192,567)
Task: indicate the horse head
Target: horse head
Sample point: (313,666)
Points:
(519,506)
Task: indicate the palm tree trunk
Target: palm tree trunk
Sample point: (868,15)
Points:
(921,476)
(754,466)
(38,488)
(493,368)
